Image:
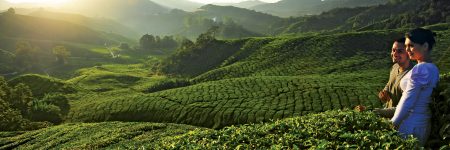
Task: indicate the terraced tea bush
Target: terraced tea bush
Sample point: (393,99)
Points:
(328,130)
(167,84)
(234,101)
(306,55)
(106,135)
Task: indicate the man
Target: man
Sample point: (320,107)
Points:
(392,92)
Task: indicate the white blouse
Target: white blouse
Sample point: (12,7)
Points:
(417,85)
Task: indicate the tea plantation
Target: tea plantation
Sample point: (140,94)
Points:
(329,130)
(282,93)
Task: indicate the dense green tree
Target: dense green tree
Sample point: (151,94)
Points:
(61,54)
(186,43)
(42,111)
(209,35)
(150,42)
(10,119)
(168,42)
(146,41)
(26,56)
(20,98)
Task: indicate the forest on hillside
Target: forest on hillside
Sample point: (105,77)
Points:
(152,74)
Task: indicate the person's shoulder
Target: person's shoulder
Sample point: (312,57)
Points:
(423,66)
(424,69)
(395,65)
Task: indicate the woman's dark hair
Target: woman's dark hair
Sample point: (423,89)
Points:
(422,36)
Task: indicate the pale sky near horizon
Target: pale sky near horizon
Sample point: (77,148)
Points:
(229,1)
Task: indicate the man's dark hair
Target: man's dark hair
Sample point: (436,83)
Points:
(400,40)
(422,36)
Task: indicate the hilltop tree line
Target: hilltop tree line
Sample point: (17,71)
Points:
(395,14)
(26,55)
(227,28)
(150,42)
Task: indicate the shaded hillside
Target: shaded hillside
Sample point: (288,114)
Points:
(250,20)
(214,52)
(169,23)
(26,27)
(100,24)
(393,15)
(286,8)
(39,36)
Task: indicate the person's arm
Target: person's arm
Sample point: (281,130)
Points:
(383,95)
(419,79)
(385,112)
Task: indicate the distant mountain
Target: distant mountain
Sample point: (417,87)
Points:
(118,9)
(249,19)
(244,4)
(185,5)
(191,24)
(101,24)
(286,8)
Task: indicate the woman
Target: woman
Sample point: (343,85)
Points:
(412,116)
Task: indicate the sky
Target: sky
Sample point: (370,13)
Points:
(229,1)
(37,1)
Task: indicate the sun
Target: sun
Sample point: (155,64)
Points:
(41,2)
